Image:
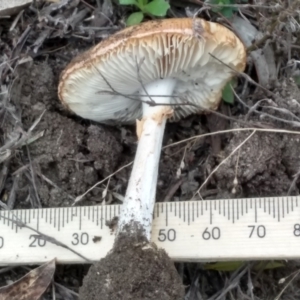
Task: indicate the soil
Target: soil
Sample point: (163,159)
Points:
(266,164)
(72,154)
(125,272)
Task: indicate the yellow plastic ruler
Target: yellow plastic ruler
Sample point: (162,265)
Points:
(214,230)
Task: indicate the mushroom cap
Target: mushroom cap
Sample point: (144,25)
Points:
(95,84)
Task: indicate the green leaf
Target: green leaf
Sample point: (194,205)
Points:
(127,2)
(135,18)
(227,12)
(157,8)
(226,266)
(297,79)
(141,3)
(227,94)
(263,265)
(229,266)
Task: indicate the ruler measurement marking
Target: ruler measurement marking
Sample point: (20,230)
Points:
(255,208)
(287,205)
(101,217)
(21,217)
(105,216)
(282,204)
(97,221)
(58,227)
(264,205)
(188,213)
(292,204)
(259,203)
(201,207)
(16,227)
(80,218)
(193,210)
(37,221)
(11,217)
(9,224)
(228,207)
(242,210)
(179,208)
(167,217)
(237,210)
(232,211)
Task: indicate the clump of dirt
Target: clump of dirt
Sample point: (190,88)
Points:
(256,168)
(133,270)
(100,143)
(71,156)
(266,164)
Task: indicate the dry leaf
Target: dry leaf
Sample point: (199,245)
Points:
(31,286)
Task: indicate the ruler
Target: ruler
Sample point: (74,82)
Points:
(210,230)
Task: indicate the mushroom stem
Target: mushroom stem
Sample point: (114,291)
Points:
(137,210)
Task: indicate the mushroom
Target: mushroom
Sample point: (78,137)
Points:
(148,73)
